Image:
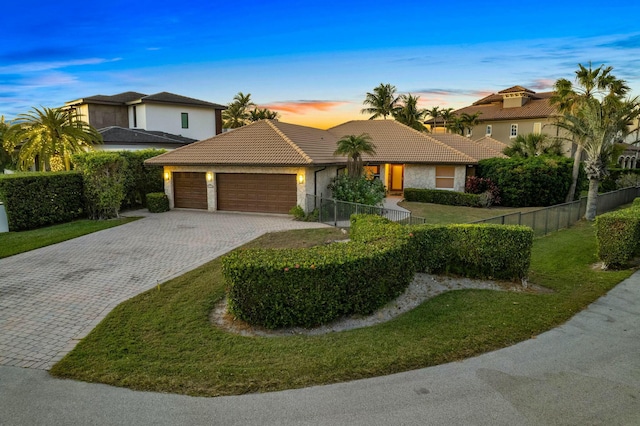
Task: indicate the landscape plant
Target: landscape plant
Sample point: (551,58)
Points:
(103,175)
(157,202)
(359,190)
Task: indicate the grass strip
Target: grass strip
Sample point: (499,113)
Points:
(162,340)
(12,243)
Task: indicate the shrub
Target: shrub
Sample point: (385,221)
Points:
(103,176)
(487,190)
(157,202)
(618,235)
(140,179)
(297,212)
(361,190)
(307,287)
(440,196)
(628,179)
(33,200)
(536,181)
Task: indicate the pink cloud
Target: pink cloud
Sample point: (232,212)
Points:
(303,107)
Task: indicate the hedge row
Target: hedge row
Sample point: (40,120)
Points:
(618,235)
(33,200)
(439,196)
(307,287)
(475,251)
(157,202)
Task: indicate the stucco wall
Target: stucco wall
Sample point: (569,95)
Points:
(424,176)
(168,118)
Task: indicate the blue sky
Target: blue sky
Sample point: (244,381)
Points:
(313,62)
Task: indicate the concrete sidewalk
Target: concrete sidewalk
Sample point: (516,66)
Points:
(54,296)
(585,372)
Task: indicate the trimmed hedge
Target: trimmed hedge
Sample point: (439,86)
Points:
(307,287)
(474,251)
(440,196)
(139,179)
(103,177)
(618,235)
(34,200)
(157,202)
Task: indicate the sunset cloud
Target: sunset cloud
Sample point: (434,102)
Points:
(304,106)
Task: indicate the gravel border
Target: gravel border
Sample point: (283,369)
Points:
(423,287)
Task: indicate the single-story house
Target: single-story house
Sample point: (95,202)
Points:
(271,166)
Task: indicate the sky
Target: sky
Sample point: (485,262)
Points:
(313,62)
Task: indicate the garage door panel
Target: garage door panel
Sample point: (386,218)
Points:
(190,190)
(268,193)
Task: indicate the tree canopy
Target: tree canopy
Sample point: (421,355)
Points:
(352,147)
(382,102)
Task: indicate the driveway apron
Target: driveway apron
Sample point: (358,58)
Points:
(52,297)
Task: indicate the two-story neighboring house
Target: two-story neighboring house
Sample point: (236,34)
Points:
(512,112)
(133,120)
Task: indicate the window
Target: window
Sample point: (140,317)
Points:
(537,128)
(135,117)
(185,120)
(445,177)
(489,129)
(514,131)
(372,172)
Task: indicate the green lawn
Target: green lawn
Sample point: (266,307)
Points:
(18,242)
(443,214)
(162,340)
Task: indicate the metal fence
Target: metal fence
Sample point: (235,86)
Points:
(551,219)
(338,213)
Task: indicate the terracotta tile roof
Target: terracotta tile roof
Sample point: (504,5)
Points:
(516,89)
(115,134)
(467,146)
(534,108)
(269,142)
(264,142)
(492,143)
(396,142)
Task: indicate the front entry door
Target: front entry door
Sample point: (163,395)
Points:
(397,177)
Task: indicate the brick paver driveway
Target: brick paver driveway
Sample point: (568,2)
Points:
(52,297)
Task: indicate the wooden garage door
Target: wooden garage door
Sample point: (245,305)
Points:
(267,193)
(190,190)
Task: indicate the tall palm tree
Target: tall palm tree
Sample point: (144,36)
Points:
(48,133)
(447,115)
(469,121)
(532,145)
(262,114)
(599,125)
(382,102)
(353,147)
(6,156)
(456,124)
(409,114)
(434,113)
(568,98)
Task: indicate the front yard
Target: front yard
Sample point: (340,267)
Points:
(443,214)
(163,340)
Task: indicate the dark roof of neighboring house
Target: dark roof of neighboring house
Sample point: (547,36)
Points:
(129,98)
(115,134)
(270,142)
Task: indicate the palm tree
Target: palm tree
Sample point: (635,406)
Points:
(447,115)
(532,145)
(262,114)
(599,125)
(469,121)
(353,147)
(237,112)
(6,156)
(409,114)
(456,124)
(382,102)
(434,113)
(568,98)
(46,134)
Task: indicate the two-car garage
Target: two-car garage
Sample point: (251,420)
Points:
(246,192)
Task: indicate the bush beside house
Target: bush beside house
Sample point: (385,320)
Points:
(157,202)
(34,200)
(103,174)
(441,196)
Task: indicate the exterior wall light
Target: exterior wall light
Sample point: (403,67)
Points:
(301,179)
(209,177)
(167,175)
